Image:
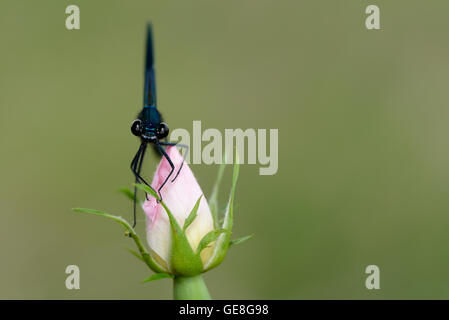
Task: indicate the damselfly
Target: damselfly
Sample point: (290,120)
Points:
(149,126)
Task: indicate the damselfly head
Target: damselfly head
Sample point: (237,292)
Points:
(149,133)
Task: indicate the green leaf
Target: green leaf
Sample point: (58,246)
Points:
(145,255)
(147,189)
(157,276)
(222,244)
(134,253)
(209,238)
(240,240)
(127,192)
(192,215)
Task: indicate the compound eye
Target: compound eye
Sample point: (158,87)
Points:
(136,127)
(162,130)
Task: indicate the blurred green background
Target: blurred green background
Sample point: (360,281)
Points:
(363,142)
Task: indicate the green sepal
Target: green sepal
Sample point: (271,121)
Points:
(127,192)
(192,215)
(222,243)
(240,240)
(210,237)
(145,256)
(183,260)
(135,254)
(213,200)
(147,189)
(158,276)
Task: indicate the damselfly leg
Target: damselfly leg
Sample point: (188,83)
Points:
(164,153)
(186,147)
(170,162)
(136,167)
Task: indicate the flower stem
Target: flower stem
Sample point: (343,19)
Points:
(190,288)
